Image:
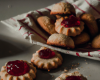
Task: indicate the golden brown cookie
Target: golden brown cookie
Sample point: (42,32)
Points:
(18,70)
(90,22)
(69,31)
(46,58)
(81,39)
(62,8)
(96,42)
(59,16)
(47,24)
(61,40)
(71,76)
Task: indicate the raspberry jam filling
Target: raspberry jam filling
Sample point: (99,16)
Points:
(17,68)
(46,54)
(73,78)
(72,21)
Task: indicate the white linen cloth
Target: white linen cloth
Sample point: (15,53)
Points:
(36,36)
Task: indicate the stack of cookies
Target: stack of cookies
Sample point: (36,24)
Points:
(67,30)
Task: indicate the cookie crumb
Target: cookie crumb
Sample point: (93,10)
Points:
(65,70)
(71,68)
(65,67)
(77,69)
(52,76)
(86,63)
(9,6)
(48,70)
(89,75)
(85,59)
(9,51)
(75,65)
(68,48)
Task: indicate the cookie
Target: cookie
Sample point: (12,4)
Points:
(69,26)
(62,8)
(61,40)
(98,24)
(90,21)
(18,70)
(47,24)
(59,16)
(71,76)
(81,39)
(46,58)
(96,42)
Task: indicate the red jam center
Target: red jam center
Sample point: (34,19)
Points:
(46,54)
(71,21)
(73,78)
(17,68)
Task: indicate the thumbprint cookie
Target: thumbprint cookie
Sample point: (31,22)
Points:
(18,70)
(70,26)
(71,76)
(46,59)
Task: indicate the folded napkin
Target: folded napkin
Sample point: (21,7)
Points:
(86,6)
(26,24)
